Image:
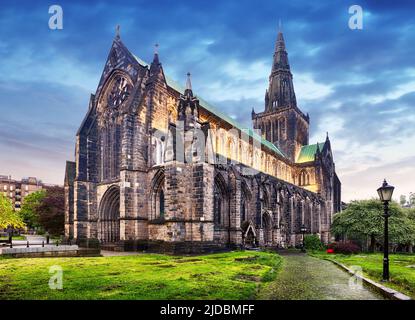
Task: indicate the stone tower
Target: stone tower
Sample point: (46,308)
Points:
(282,122)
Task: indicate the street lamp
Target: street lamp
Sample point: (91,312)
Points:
(385,194)
(303,230)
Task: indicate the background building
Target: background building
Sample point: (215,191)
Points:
(17,190)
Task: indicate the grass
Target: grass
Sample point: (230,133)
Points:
(232,275)
(401,268)
(14,238)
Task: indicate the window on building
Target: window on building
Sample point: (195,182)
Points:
(220,202)
(159,152)
(161,203)
(304,178)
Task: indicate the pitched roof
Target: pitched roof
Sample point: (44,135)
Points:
(251,133)
(307,153)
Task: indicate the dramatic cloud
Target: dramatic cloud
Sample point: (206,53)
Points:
(358,85)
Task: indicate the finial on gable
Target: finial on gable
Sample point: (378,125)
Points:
(188,91)
(156,59)
(188,82)
(117,32)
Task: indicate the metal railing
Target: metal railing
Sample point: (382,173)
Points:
(28,244)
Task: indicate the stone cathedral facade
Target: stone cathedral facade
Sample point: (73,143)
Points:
(158,168)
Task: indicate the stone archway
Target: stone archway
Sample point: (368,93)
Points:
(109,216)
(249,235)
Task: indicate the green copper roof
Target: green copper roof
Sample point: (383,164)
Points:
(307,153)
(251,133)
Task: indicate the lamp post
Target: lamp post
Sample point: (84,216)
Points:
(385,194)
(303,230)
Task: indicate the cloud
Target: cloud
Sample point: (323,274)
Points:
(358,85)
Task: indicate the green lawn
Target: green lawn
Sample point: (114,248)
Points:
(14,238)
(402,268)
(233,275)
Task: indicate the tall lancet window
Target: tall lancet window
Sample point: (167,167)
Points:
(158,151)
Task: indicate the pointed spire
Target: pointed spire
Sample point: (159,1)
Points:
(156,72)
(280,55)
(156,54)
(188,91)
(281,89)
(188,82)
(327,136)
(117,32)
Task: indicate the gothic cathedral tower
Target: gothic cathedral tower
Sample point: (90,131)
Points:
(282,122)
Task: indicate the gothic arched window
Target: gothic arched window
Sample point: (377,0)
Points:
(161,203)
(157,198)
(303,178)
(158,151)
(219,202)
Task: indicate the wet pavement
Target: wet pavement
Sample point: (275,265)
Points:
(307,278)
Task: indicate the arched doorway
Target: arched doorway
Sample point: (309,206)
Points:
(249,235)
(109,215)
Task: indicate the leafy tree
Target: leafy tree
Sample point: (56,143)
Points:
(51,211)
(364,220)
(402,200)
(29,212)
(412,200)
(8,217)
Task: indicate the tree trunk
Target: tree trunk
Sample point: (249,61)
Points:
(372,243)
(410,248)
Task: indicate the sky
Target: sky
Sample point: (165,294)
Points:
(359,85)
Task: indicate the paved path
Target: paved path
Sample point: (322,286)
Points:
(307,278)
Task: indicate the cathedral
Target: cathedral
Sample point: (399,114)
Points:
(157,168)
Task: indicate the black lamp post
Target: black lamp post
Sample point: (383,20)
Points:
(385,194)
(303,230)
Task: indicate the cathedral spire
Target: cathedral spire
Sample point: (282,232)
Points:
(281,89)
(280,54)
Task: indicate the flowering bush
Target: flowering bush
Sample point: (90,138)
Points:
(347,247)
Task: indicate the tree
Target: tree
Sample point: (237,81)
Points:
(412,200)
(402,200)
(51,211)
(29,212)
(8,217)
(364,220)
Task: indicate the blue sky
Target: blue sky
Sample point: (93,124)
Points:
(357,84)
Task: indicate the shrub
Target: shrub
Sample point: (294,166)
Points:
(313,242)
(346,247)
